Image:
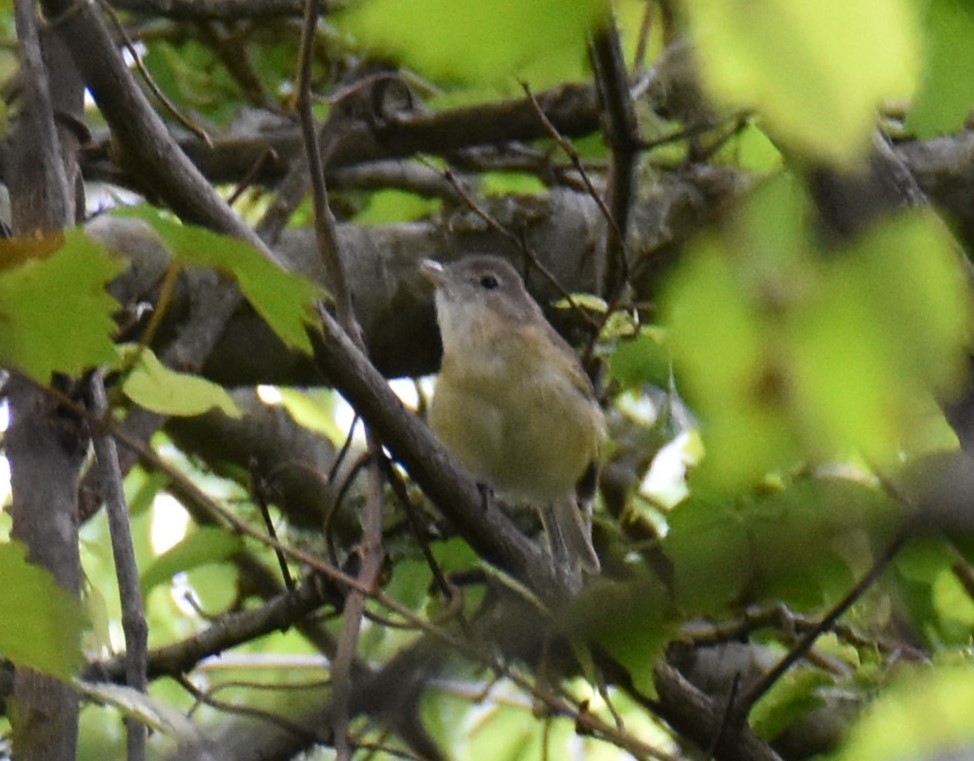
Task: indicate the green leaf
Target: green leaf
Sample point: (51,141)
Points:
(205,546)
(888,325)
(154,386)
(720,338)
(930,593)
(190,75)
(946,92)
(314,411)
(543,41)
(41,622)
(284,300)
(898,725)
(814,71)
(145,488)
(631,621)
(790,698)
(510,183)
(642,359)
(708,544)
(55,314)
(751,149)
(788,545)
(789,353)
(387,206)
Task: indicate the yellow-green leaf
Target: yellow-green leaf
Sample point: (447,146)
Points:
(205,546)
(790,354)
(284,300)
(898,725)
(41,622)
(314,411)
(154,386)
(642,359)
(543,41)
(814,71)
(946,94)
(55,314)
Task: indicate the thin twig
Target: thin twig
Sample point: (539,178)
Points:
(171,107)
(879,566)
(645,29)
(576,161)
(518,241)
(258,490)
(372,556)
(342,490)
(278,613)
(205,698)
(622,135)
(267,158)
(134,625)
(399,489)
(324,220)
(371,547)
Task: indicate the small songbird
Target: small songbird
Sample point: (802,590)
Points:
(512,401)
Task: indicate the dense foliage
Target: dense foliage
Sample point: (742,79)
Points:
(751,219)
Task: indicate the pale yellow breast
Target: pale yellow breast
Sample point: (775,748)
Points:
(531,439)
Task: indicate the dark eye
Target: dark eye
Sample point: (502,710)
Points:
(489,282)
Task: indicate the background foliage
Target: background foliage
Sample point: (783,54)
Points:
(751,217)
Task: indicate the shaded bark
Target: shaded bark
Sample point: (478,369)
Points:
(45,445)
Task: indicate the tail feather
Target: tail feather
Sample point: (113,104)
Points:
(569,532)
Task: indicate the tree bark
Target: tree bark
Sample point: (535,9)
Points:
(45,445)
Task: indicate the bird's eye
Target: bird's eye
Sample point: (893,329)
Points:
(488,282)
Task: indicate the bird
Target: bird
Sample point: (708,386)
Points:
(512,401)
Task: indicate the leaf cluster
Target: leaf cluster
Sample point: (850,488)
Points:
(680,160)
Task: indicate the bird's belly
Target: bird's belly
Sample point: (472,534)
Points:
(532,442)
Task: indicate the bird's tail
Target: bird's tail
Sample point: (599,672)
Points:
(569,532)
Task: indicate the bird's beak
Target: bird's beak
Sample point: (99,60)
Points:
(433,271)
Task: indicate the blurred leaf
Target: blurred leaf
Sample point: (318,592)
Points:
(751,149)
(387,206)
(814,71)
(41,623)
(910,267)
(789,545)
(284,300)
(147,709)
(215,586)
(149,485)
(723,344)
(900,724)
(507,183)
(711,553)
(504,732)
(643,359)
(205,546)
(154,386)
(55,314)
(191,76)
(923,559)
(630,621)
(97,637)
(543,41)
(889,325)
(946,93)
(930,593)
(953,601)
(790,698)
(815,354)
(316,412)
